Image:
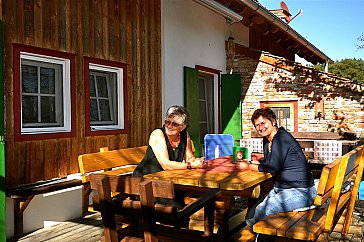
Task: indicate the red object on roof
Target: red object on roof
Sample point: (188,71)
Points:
(285,8)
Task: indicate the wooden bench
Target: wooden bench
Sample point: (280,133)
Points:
(124,159)
(23,194)
(336,196)
(145,208)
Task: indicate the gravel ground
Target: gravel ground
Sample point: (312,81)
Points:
(356,231)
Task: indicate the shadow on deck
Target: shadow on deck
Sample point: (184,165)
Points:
(89,229)
(86,229)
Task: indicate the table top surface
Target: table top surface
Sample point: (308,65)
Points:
(220,173)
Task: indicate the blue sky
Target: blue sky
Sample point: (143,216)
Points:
(333,26)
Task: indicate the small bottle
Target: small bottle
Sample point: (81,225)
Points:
(217,151)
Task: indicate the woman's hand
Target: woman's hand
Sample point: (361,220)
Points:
(244,164)
(198,163)
(248,165)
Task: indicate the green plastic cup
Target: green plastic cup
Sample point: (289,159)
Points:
(240,153)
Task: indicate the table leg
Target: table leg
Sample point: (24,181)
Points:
(229,221)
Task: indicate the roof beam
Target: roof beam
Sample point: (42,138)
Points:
(258,19)
(255,15)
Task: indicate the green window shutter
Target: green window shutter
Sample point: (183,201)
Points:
(191,102)
(231,105)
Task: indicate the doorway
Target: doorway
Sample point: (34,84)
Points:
(206,106)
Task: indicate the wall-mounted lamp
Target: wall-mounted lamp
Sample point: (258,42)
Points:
(319,105)
(319,109)
(221,9)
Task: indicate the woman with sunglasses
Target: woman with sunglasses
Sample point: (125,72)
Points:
(170,147)
(293,181)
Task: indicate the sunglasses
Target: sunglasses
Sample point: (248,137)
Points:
(174,124)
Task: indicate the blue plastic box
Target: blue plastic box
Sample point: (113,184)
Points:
(217,145)
(361,191)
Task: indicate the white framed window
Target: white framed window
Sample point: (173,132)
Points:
(106,97)
(45,94)
(286,112)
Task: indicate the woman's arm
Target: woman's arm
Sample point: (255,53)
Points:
(159,147)
(158,143)
(190,156)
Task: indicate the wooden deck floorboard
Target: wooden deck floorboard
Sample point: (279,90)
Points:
(89,229)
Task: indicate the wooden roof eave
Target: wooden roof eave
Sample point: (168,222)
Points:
(265,22)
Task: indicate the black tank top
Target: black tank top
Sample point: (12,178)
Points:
(150,164)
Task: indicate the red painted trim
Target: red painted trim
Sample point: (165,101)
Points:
(207,69)
(17,48)
(73,95)
(88,131)
(86,85)
(295,110)
(16,87)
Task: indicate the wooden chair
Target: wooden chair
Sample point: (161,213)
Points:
(145,208)
(336,195)
(124,159)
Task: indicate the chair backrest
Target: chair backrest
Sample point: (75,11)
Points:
(339,184)
(109,159)
(126,185)
(218,145)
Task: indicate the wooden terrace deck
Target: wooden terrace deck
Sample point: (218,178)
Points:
(85,229)
(89,229)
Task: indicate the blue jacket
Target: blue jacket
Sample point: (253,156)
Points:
(286,161)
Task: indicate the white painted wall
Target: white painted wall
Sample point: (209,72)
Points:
(192,35)
(46,210)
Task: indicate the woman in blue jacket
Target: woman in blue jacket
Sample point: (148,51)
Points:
(283,157)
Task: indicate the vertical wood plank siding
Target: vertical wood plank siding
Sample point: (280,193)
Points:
(126,31)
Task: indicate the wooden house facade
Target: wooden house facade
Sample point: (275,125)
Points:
(124,35)
(88,38)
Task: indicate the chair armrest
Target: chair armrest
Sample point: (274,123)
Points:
(207,198)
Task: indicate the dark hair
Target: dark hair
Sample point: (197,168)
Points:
(265,113)
(178,111)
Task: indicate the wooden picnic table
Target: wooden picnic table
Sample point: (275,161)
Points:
(220,173)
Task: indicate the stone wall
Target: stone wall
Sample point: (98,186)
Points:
(267,78)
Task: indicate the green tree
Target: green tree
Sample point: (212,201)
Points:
(352,69)
(361,39)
